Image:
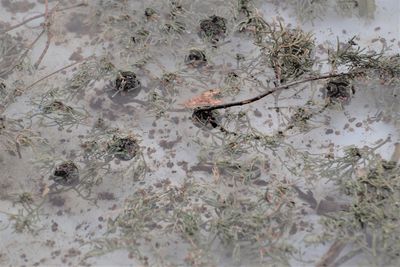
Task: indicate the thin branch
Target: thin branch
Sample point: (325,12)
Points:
(57,71)
(9,96)
(39,16)
(46,27)
(278,88)
(20,59)
(49,36)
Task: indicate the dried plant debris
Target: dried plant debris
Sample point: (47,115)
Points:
(66,174)
(57,106)
(207,98)
(123,147)
(371,224)
(348,7)
(225,178)
(243,6)
(300,118)
(196,58)
(310,10)
(89,71)
(158,104)
(140,36)
(247,228)
(56,113)
(290,52)
(380,65)
(14,135)
(10,51)
(255,24)
(213,28)
(174,27)
(3,87)
(176,8)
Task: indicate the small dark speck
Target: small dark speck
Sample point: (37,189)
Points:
(169,144)
(257,113)
(329,131)
(105,196)
(260,182)
(54,227)
(358,124)
(57,201)
(151,133)
(175,120)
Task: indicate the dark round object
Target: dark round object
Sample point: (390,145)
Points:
(148,12)
(196,57)
(338,89)
(213,28)
(123,148)
(66,174)
(206,118)
(127,81)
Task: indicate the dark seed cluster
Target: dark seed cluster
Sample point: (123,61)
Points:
(127,81)
(66,174)
(338,90)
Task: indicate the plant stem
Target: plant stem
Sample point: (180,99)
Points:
(278,88)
